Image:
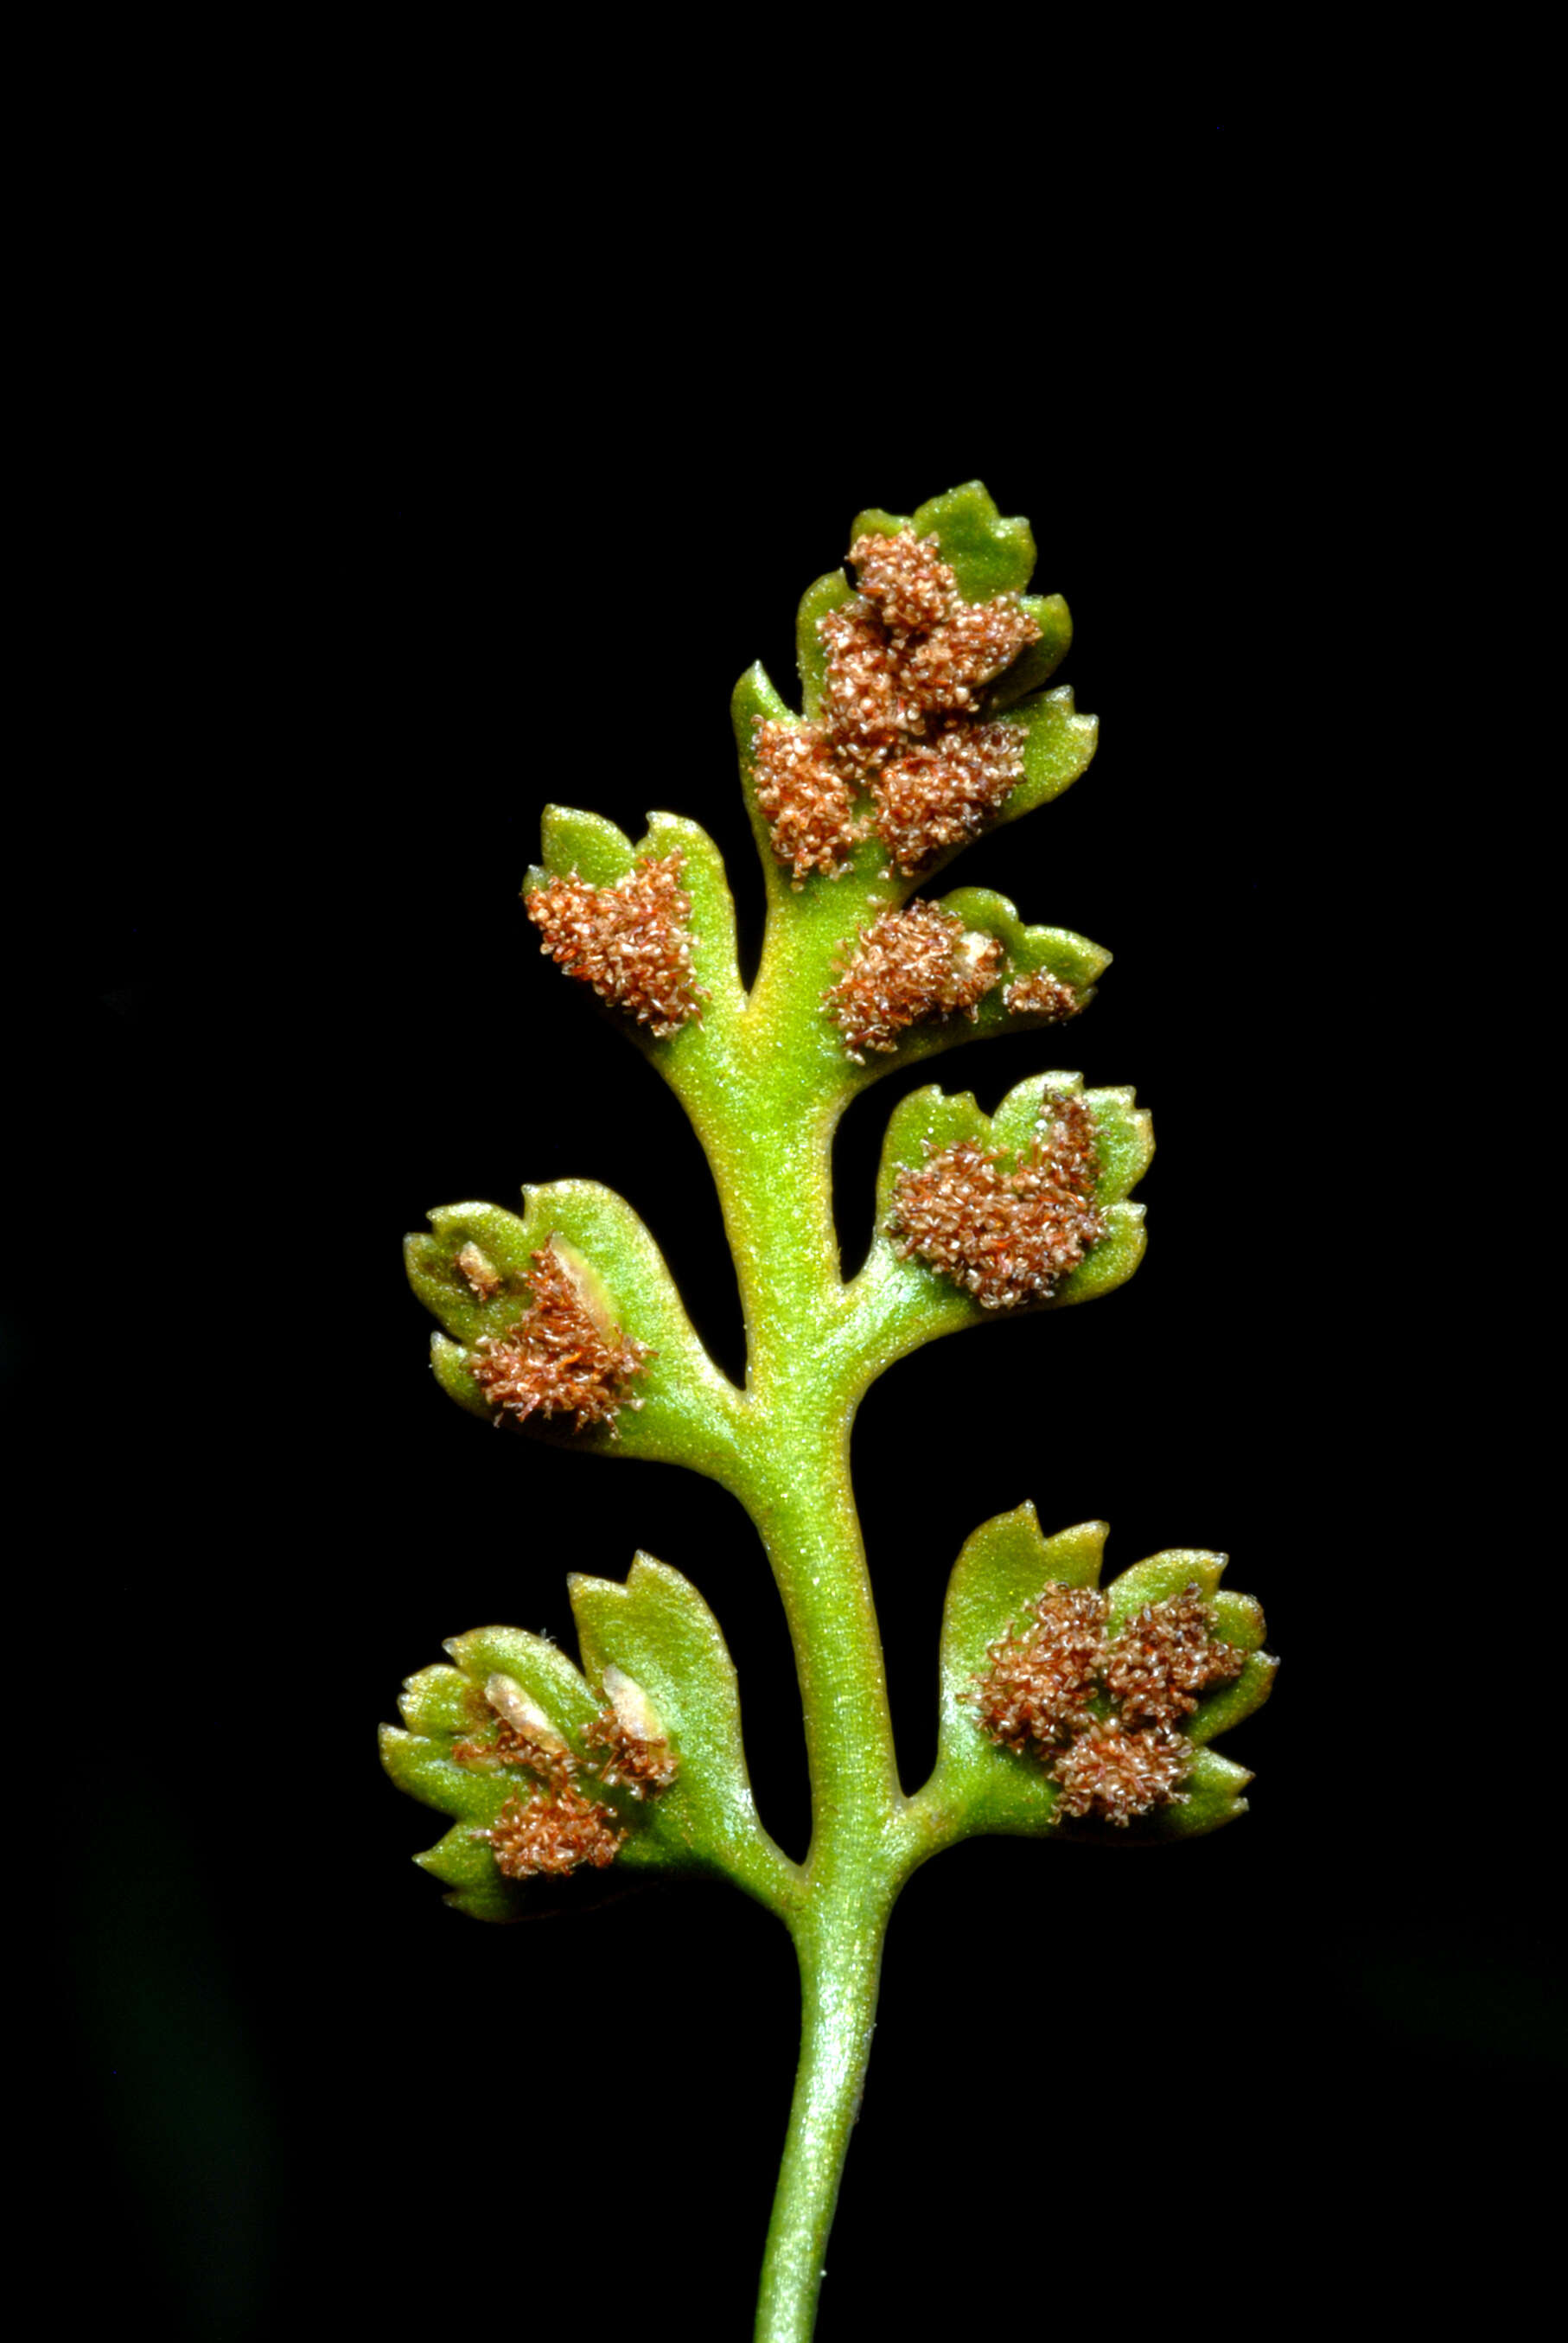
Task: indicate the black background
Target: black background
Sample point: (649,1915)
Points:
(1302,2061)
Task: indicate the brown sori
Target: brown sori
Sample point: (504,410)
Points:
(553,1832)
(1037,1688)
(1044,1693)
(638,1763)
(559,1359)
(632,941)
(1043,995)
(948,670)
(867,715)
(908,664)
(807,802)
(508,1745)
(1109,1774)
(1005,1237)
(906,580)
(1163,1661)
(906,967)
(938,796)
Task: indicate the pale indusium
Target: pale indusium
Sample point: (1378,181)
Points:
(1067,1709)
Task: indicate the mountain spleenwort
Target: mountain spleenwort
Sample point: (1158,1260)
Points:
(1068,1710)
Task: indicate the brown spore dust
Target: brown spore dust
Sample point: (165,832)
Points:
(631,941)
(560,1359)
(1101,1710)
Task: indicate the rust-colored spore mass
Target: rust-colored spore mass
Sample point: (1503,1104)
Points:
(908,665)
(506,1745)
(1004,1237)
(553,1832)
(906,580)
(948,670)
(559,1359)
(632,941)
(942,794)
(1046,1693)
(1109,1774)
(906,967)
(637,1765)
(1043,995)
(1163,1661)
(867,715)
(1037,1689)
(806,801)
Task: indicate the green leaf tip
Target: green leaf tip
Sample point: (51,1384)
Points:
(581,845)
(1065,1707)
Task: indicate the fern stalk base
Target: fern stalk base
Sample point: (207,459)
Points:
(839,1945)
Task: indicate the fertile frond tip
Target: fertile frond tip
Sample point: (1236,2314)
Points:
(909,666)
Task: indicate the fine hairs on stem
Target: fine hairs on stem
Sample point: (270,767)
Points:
(1070,1707)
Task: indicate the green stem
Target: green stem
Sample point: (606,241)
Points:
(770,1143)
(770,1153)
(840,1953)
(862,1845)
(805,1511)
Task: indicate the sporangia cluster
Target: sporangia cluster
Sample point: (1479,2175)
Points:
(1106,1773)
(911,966)
(1034,1684)
(560,1358)
(1163,1661)
(558,1827)
(937,797)
(1102,1711)
(806,801)
(906,967)
(506,1744)
(631,941)
(909,663)
(638,1762)
(1043,995)
(554,1830)
(1005,1237)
